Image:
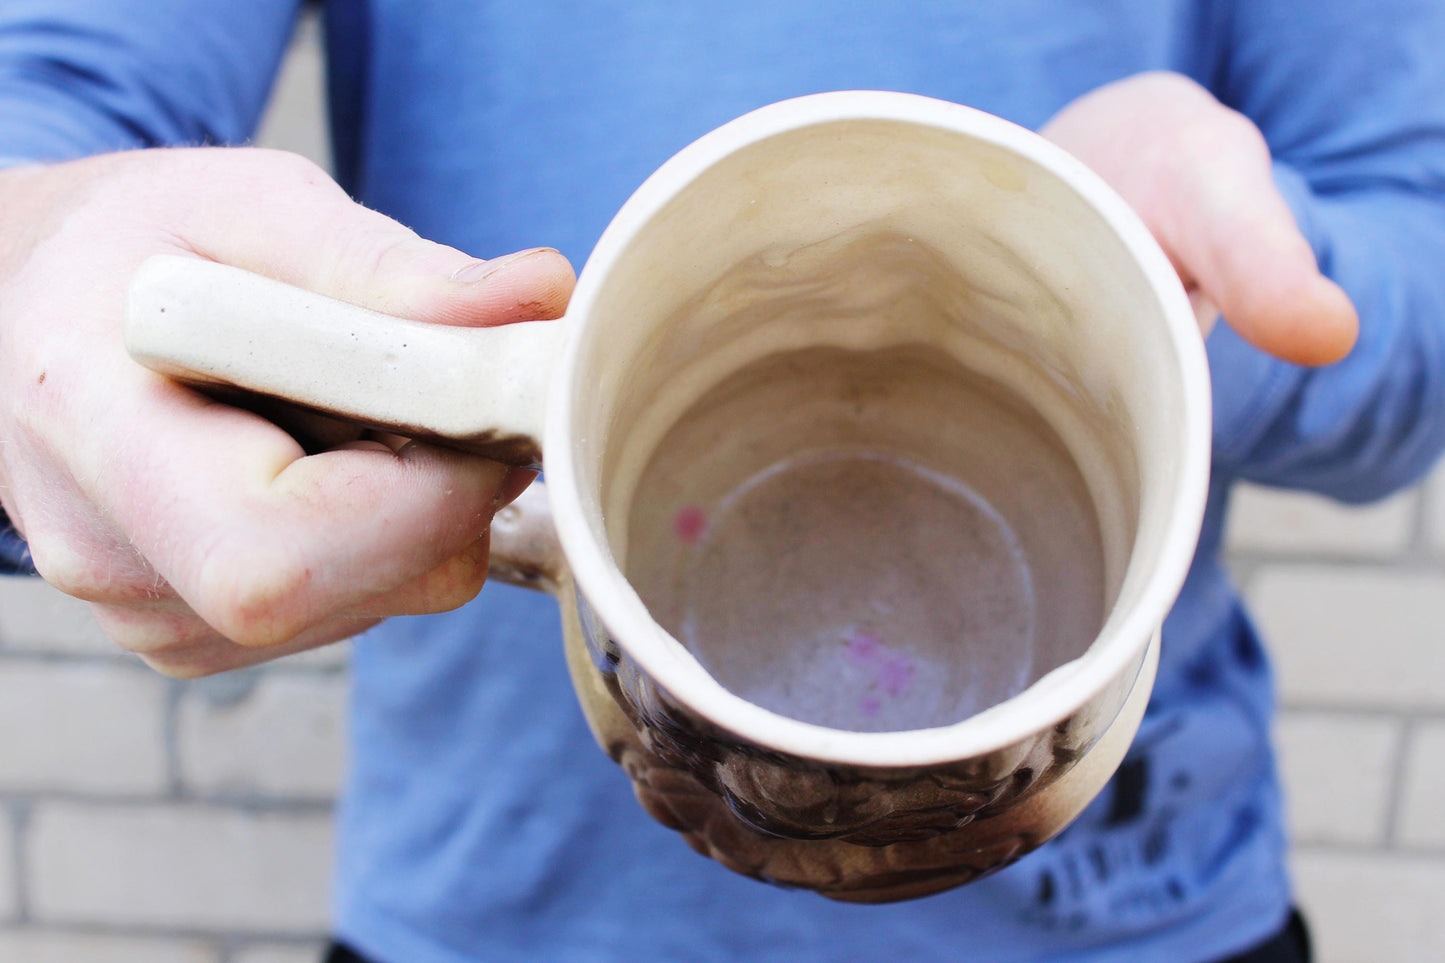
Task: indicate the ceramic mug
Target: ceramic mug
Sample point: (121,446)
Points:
(876,437)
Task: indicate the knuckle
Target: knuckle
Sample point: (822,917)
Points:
(1171,83)
(94,571)
(379,252)
(153,632)
(254,598)
(1204,133)
(68,569)
(291,165)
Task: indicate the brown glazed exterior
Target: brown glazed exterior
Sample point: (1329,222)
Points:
(865,835)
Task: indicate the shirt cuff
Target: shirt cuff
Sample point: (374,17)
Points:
(14,553)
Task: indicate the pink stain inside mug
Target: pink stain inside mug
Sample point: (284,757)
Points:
(894,674)
(891,672)
(689,524)
(864,647)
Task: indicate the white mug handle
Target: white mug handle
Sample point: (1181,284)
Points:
(482,390)
(479,389)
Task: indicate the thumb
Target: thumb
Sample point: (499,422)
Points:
(287,219)
(1232,236)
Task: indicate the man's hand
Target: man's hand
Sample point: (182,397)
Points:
(205,537)
(1199,174)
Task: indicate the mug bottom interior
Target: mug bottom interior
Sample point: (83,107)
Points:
(868,540)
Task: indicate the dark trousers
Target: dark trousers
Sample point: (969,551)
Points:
(1289,945)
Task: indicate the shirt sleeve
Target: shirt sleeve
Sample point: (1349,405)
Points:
(80,77)
(1351,97)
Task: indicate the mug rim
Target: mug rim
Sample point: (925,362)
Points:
(672,667)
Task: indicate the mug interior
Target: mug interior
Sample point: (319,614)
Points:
(871,540)
(875,423)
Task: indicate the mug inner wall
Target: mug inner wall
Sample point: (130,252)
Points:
(872,459)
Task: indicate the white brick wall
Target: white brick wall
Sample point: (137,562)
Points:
(178,866)
(1269,520)
(1355,635)
(35,619)
(286,739)
(1373,907)
(81,727)
(1330,802)
(1352,604)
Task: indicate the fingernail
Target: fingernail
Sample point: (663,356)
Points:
(481,270)
(513,483)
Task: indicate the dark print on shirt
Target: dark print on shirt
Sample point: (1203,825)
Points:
(1163,829)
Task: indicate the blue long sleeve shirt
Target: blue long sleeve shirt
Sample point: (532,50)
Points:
(480,822)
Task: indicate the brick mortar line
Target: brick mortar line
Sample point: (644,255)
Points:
(1413,712)
(1405,562)
(19,858)
(1419,543)
(1432,497)
(1239,569)
(219,939)
(1395,790)
(229,948)
(131,663)
(251,805)
(36,657)
(1424,855)
(170,740)
(256,802)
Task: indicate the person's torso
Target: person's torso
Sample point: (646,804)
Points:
(482,822)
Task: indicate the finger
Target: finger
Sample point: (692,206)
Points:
(300,227)
(227,656)
(74,546)
(175,641)
(1231,233)
(154,630)
(517,481)
(185,647)
(448,586)
(282,542)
